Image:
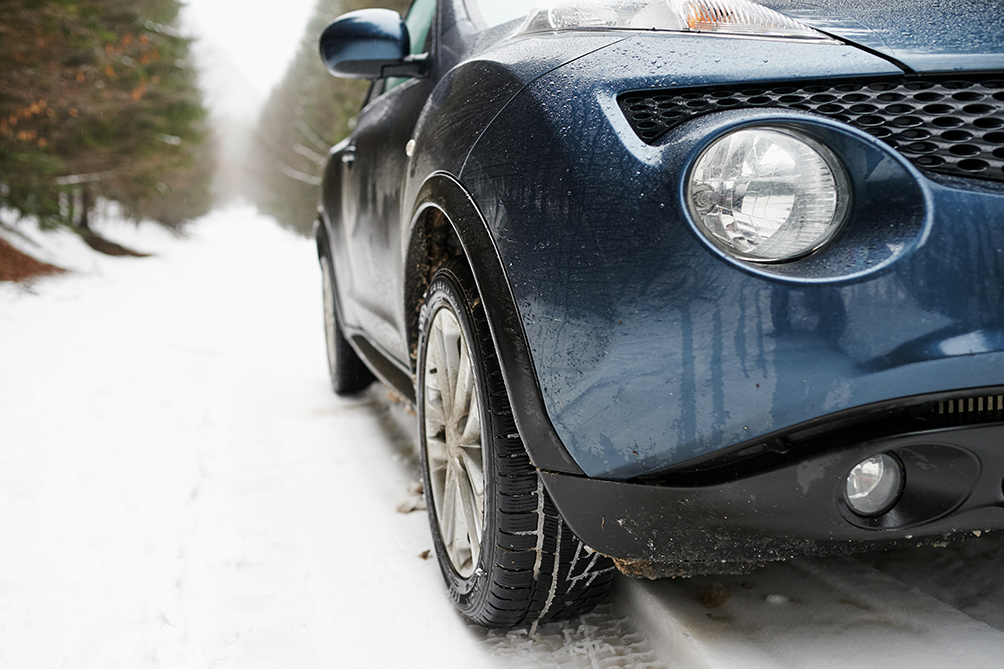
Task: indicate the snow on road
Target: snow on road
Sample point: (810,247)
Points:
(179,488)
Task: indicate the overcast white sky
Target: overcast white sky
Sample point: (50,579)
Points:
(244,47)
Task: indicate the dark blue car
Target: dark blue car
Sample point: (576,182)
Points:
(676,286)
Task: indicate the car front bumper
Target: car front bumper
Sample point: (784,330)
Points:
(789,505)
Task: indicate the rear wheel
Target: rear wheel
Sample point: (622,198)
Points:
(348,373)
(507,557)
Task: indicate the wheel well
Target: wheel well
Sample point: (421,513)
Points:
(433,242)
(445,207)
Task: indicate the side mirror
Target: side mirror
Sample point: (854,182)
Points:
(370,44)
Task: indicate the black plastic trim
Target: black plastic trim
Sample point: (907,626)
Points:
(383,366)
(796,510)
(448,195)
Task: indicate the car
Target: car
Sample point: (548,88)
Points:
(675,286)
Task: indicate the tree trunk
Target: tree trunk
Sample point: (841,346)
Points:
(85,208)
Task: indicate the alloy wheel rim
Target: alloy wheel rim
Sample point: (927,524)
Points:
(453,442)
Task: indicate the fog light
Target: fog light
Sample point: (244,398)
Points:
(874,485)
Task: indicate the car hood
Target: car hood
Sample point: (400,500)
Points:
(922,35)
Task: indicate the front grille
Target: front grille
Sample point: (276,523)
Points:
(948,125)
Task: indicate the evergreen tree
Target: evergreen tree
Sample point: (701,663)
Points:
(98,99)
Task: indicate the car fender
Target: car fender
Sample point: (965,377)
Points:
(444,194)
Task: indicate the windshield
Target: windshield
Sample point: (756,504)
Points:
(493,13)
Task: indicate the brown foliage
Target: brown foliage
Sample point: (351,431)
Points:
(18,266)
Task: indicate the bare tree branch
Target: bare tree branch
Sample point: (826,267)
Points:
(310,155)
(84,178)
(311,135)
(298,175)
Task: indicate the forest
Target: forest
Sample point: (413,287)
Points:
(306,114)
(99,103)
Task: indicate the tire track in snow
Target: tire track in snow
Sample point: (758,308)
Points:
(812,612)
(965,576)
(605,638)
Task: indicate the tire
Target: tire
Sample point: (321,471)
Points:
(349,375)
(507,557)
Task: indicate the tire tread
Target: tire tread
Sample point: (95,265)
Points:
(522,587)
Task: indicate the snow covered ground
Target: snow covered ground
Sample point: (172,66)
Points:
(179,488)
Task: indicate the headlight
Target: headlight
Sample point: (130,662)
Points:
(768,194)
(716,16)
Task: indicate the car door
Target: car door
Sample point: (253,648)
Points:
(375,163)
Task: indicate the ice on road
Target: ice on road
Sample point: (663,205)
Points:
(179,488)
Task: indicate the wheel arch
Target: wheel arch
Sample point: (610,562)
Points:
(446,222)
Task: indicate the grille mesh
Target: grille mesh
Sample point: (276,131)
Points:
(948,125)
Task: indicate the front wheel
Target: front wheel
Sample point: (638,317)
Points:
(507,556)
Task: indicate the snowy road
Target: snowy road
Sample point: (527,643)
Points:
(179,488)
